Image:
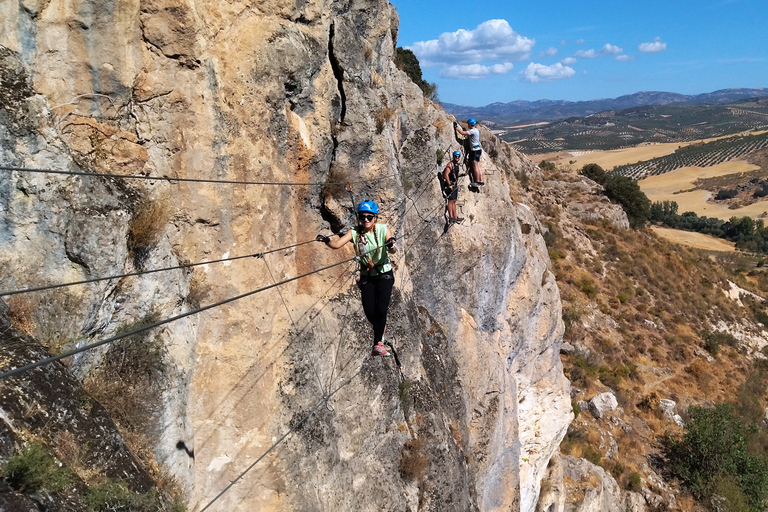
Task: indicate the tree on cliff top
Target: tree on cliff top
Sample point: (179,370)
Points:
(406,61)
(624,191)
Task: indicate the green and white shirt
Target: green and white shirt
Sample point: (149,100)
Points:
(374,258)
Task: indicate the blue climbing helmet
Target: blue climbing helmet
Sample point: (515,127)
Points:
(457,153)
(471,121)
(368,206)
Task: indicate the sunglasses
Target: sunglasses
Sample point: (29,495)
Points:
(367,217)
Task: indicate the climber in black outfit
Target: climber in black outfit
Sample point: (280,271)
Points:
(373,244)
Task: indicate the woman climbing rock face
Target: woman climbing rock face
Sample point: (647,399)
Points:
(373,244)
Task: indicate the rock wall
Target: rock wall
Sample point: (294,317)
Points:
(279,92)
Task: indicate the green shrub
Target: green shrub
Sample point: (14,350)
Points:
(624,191)
(592,455)
(714,454)
(114,495)
(761,317)
(35,468)
(576,409)
(713,340)
(594,172)
(587,286)
(722,195)
(404,392)
(711,344)
(635,483)
(545,165)
(617,470)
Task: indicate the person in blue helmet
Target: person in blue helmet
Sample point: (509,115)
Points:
(373,244)
(451,178)
(476,150)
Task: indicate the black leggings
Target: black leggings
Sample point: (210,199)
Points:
(376,292)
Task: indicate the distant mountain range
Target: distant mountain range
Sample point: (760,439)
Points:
(520,111)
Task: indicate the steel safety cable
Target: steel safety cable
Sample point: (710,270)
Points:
(147,327)
(341,337)
(324,400)
(151,271)
(47,360)
(295,328)
(192,180)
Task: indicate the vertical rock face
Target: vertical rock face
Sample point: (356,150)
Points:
(279,92)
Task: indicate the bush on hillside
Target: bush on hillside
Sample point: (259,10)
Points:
(594,172)
(713,456)
(726,194)
(546,165)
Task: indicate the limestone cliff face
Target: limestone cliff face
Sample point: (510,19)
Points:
(289,92)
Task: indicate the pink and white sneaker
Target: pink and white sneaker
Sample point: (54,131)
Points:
(380,350)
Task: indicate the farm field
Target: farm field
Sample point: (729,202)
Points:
(695,240)
(664,186)
(609,159)
(616,157)
(619,129)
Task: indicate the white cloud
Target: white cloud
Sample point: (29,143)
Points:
(624,58)
(563,43)
(580,41)
(475,71)
(568,61)
(493,40)
(657,45)
(549,52)
(586,54)
(535,73)
(610,49)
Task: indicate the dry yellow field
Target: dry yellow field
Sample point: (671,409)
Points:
(695,240)
(610,159)
(664,186)
(528,125)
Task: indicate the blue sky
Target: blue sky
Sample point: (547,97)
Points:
(487,51)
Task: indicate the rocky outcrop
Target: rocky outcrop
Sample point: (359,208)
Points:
(602,404)
(595,490)
(285,93)
(50,405)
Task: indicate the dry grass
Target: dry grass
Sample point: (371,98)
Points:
(695,240)
(22,313)
(414,463)
(147,226)
(639,305)
(129,386)
(199,289)
(382,118)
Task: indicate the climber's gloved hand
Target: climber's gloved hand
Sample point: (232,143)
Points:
(390,243)
(323,238)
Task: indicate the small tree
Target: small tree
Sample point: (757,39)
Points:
(594,172)
(627,193)
(406,61)
(624,191)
